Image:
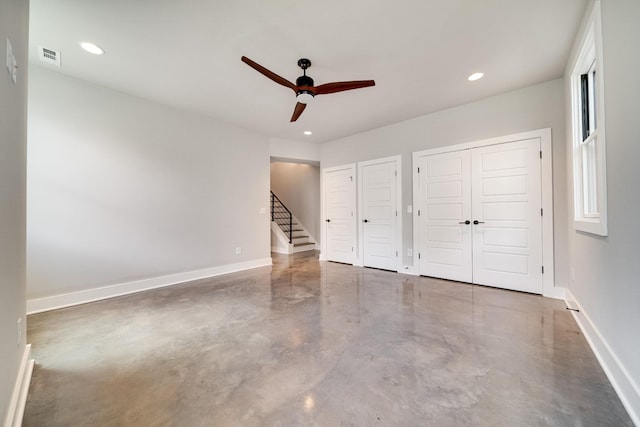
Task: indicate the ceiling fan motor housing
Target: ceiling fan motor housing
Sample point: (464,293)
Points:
(304,81)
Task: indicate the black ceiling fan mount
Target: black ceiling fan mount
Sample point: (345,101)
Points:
(304,63)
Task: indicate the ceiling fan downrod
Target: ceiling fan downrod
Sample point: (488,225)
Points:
(304,80)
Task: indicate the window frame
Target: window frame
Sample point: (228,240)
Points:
(589,185)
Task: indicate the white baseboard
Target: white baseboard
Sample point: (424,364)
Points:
(280,250)
(81,297)
(409,270)
(20,390)
(555,292)
(627,389)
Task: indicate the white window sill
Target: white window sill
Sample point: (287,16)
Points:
(591,225)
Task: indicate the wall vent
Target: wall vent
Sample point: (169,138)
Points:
(49,56)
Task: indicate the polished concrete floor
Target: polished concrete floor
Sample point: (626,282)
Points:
(308,343)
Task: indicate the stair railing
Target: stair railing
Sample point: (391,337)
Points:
(281,215)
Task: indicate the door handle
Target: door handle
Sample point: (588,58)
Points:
(328,220)
(465,222)
(476,222)
(366,220)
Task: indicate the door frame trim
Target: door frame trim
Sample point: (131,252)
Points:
(323,224)
(546,172)
(360,229)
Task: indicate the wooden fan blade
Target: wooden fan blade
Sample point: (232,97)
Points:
(341,86)
(268,73)
(298,110)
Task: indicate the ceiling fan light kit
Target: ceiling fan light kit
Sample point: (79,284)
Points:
(304,88)
(304,97)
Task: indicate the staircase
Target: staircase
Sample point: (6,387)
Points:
(288,235)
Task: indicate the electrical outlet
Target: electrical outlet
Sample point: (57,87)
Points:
(238,250)
(263,211)
(409,252)
(19,331)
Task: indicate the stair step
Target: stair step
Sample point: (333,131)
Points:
(281,216)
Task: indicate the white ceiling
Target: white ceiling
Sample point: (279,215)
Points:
(419,52)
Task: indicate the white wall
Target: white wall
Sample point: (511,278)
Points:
(299,151)
(298,186)
(14,17)
(607,269)
(123,189)
(535,107)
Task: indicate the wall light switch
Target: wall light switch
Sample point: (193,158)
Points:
(19,331)
(409,252)
(12,65)
(409,209)
(238,250)
(263,211)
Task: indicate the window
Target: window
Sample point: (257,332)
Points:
(589,168)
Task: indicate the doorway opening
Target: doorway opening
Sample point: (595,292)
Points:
(294,205)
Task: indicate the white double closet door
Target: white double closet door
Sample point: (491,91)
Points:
(480,216)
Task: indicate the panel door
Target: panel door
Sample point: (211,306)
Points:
(379,213)
(339,196)
(507,241)
(445,206)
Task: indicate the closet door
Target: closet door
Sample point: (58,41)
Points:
(507,200)
(445,207)
(379,214)
(340,202)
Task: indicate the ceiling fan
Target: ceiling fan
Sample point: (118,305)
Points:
(304,88)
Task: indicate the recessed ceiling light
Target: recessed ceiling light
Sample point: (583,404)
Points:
(475,76)
(308,132)
(92,48)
